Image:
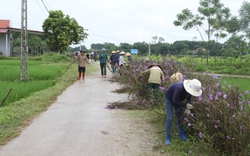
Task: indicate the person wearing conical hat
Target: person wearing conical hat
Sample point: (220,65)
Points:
(129,56)
(121,59)
(175,96)
(155,77)
(113,61)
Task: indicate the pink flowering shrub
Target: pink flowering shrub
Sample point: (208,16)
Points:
(220,119)
(138,88)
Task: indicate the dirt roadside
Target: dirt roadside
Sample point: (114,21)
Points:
(78,124)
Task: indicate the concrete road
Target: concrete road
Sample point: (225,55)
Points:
(77,124)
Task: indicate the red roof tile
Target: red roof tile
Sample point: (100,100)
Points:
(4,24)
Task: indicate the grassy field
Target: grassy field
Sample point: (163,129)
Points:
(38,93)
(243,83)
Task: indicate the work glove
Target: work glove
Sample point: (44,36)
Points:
(189,106)
(187,111)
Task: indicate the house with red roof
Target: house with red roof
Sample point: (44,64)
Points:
(5,38)
(6,47)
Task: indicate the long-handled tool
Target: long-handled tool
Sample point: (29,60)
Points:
(109,67)
(65,70)
(6,96)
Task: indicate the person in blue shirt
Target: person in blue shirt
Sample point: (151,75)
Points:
(103,60)
(117,58)
(175,96)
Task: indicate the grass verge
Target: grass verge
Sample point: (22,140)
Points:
(19,114)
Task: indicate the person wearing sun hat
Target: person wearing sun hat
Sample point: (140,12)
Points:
(175,96)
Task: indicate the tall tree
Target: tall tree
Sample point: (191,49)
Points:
(245,18)
(125,47)
(142,47)
(212,14)
(161,39)
(154,39)
(61,31)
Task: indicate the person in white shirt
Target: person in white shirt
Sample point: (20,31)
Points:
(121,59)
(121,62)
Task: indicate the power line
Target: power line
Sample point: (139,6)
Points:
(48,4)
(109,38)
(41,8)
(45,6)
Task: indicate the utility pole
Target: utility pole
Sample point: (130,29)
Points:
(24,42)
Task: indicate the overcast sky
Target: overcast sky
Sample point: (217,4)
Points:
(114,21)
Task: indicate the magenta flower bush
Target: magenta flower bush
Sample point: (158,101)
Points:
(138,89)
(220,119)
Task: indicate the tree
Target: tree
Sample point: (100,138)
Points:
(237,43)
(125,47)
(61,31)
(161,39)
(180,46)
(163,48)
(109,47)
(142,47)
(245,18)
(154,39)
(212,14)
(233,25)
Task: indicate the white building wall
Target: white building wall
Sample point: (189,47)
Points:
(5,44)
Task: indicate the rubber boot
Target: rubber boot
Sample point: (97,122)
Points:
(79,75)
(83,76)
(182,135)
(168,141)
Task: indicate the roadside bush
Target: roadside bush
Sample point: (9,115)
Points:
(138,89)
(54,57)
(220,118)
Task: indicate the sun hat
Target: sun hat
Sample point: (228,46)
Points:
(154,64)
(122,53)
(193,87)
(128,54)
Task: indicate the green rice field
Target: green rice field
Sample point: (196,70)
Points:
(41,76)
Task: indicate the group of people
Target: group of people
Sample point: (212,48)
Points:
(176,96)
(92,57)
(116,61)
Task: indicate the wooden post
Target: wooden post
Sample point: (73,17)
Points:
(6,96)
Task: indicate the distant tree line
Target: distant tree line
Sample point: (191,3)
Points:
(213,19)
